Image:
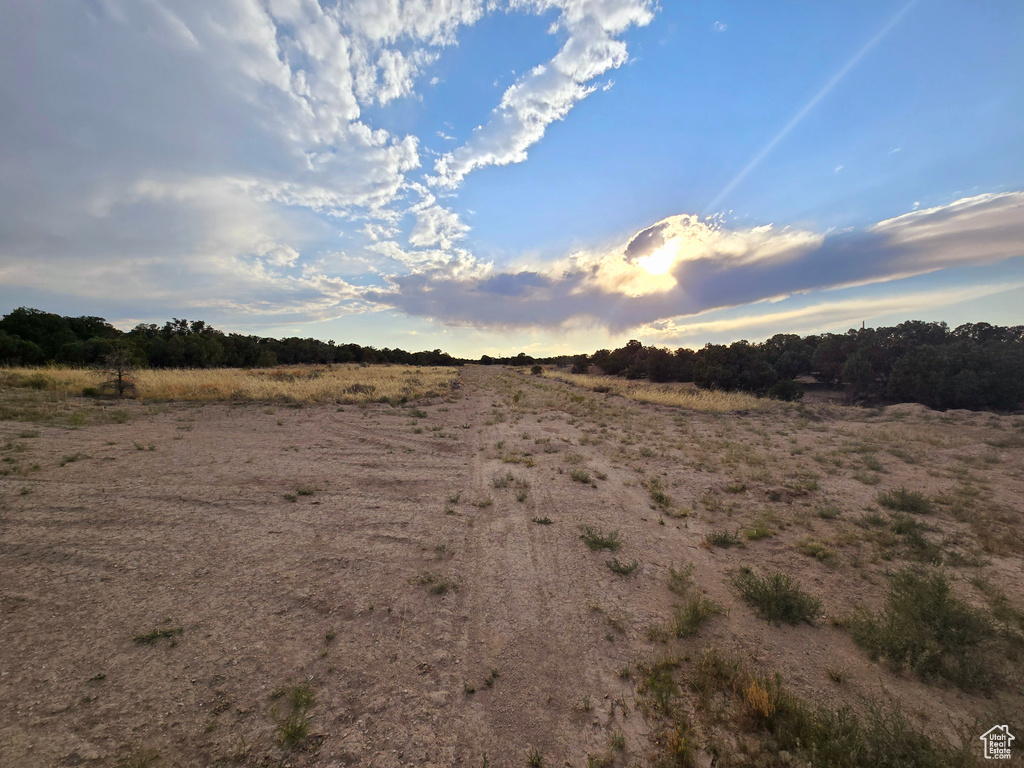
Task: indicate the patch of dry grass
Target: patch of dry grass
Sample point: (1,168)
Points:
(296,384)
(668,394)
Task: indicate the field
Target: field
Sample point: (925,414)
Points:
(517,571)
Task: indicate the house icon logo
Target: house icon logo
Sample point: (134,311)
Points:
(997,742)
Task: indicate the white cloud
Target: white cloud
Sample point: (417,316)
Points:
(550,90)
(683,266)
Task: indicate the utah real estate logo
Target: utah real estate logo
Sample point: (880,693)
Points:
(997,742)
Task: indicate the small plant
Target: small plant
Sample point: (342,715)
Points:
(724,539)
(70,458)
(293,728)
(679,581)
(580,476)
(290,497)
(777,597)
(491,678)
(817,550)
(657,493)
(735,487)
(436,585)
(689,618)
(623,569)
(829,512)
(836,675)
(596,539)
(150,638)
(903,500)
(759,530)
(534,759)
(305,490)
(541,520)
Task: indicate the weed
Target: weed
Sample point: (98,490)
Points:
(829,512)
(623,569)
(73,457)
(735,487)
(925,627)
(881,737)
(724,539)
(541,520)
(534,759)
(293,728)
(759,530)
(436,585)
(817,550)
(777,597)
(305,490)
(679,581)
(689,618)
(290,497)
(836,675)
(596,539)
(150,638)
(903,500)
(658,495)
(580,476)
(489,682)
(145,759)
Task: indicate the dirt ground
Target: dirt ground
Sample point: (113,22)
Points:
(368,553)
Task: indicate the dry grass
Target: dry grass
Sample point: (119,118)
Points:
(677,395)
(296,384)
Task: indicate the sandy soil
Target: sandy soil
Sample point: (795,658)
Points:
(182,517)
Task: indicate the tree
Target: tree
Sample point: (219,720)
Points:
(119,364)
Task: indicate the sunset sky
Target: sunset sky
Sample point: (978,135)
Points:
(492,177)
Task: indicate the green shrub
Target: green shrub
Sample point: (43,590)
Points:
(596,539)
(777,597)
(623,569)
(724,539)
(926,628)
(689,618)
(903,500)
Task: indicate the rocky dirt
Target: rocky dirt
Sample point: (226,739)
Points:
(369,554)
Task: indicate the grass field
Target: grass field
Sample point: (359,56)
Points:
(302,384)
(712,401)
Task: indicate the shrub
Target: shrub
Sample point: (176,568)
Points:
(724,539)
(536,370)
(689,618)
(623,569)
(596,539)
(777,597)
(903,500)
(926,628)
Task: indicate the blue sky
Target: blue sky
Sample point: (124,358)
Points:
(547,175)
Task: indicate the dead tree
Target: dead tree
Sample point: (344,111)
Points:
(120,368)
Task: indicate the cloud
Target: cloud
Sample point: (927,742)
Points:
(683,266)
(549,91)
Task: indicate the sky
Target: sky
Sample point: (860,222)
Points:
(496,176)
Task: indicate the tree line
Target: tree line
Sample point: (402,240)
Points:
(975,366)
(33,337)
